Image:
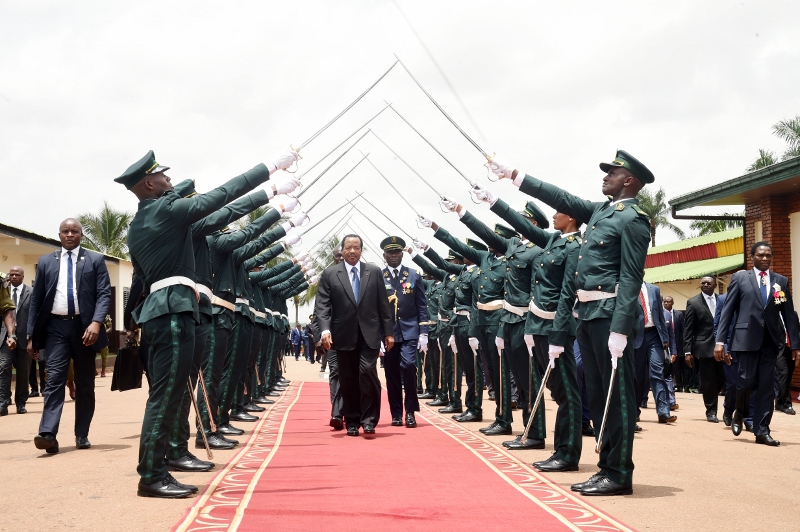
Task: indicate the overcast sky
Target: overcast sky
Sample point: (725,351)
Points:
(690,88)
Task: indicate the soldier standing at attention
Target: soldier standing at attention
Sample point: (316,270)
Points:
(608,280)
(160,243)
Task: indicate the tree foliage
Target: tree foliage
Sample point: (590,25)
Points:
(705,227)
(786,130)
(107,231)
(655,206)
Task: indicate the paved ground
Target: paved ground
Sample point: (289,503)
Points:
(690,476)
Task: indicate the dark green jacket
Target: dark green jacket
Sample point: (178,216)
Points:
(447,299)
(433,289)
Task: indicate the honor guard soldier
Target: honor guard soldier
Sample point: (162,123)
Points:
(608,280)
(432,361)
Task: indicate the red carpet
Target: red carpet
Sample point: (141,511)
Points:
(296,473)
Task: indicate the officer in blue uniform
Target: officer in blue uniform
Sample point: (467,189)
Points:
(406,294)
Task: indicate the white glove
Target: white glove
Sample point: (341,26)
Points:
(498,341)
(450,205)
(425,222)
(308,263)
(298,219)
(452,344)
(310,273)
(302,256)
(419,244)
(422,343)
(282,161)
(529,342)
(283,185)
(474,344)
(553,351)
(290,239)
(313,280)
(500,168)
(485,195)
(616,345)
(286,203)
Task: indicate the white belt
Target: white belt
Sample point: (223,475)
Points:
(519,311)
(242,301)
(426,323)
(261,315)
(203,289)
(539,312)
(462,312)
(172,281)
(584,296)
(497,304)
(218,301)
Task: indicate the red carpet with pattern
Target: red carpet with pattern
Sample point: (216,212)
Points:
(295,473)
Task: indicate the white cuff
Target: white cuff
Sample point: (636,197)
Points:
(323,333)
(519,179)
(462,212)
(286,226)
(271,168)
(414,253)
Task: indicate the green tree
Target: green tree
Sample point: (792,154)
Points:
(706,227)
(655,206)
(322,259)
(765,158)
(789,131)
(107,231)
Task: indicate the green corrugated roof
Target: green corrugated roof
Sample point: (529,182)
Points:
(693,270)
(712,238)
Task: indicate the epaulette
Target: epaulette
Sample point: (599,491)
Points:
(571,238)
(453,277)
(640,211)
(531,244)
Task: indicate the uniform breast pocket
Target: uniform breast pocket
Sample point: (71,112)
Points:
(557,259)
(602,283)
(519,264)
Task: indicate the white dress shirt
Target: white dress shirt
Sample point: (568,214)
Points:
(60,306)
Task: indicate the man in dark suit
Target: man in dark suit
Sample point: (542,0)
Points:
(69,303)
(17,357)
(354,315)
(731,368)
(8,341)
(680,371)
(405,289)
(698,340)
(766,318)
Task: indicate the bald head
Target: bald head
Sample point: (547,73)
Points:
(15,275)
(70,232)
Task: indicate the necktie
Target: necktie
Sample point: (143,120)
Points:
(70,291)
(355,281)
(712,304)
(763,285)
(14,296)
(644,307)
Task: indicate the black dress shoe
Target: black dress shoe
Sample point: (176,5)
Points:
(530,443)
(694,390)
(736,423)
(189,487)
(748,426)
(250,407)
(587,430)
(336,423)
(243,416)
(82,442)
(437,402)
(227,439)
(637,428)
(397,422)
(548,459)
(214,442)
(469,417)
(167,488)
(451,409)
(369,429)
(46,442)
(727,419)
(34,394)
(555,465)
(789,410)
(583,485)
(191,463)
(229,430)
(411,421)
(711,417)
(284,381)
(674,406)
(272,394)
(766,439)
(262,400)
(492,397)
(425,395)
(666,418)
(352,431)
(21,409)
(3,410)
(420,391)
(606,486)
(514,405)
(511,442)
(484,429)
(278,389)
(497,430)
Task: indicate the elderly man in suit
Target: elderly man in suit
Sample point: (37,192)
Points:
(762,301)
(354,315)
(698,340)
(69,302)
(17,357)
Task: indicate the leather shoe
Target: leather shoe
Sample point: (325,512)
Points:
(555,465)
(437,402)
(189,487)
(530,443)
(369,429)
(637,428)
(336,423)
(82,442)
(727,419)
(451,409)
(426,395)
(497,430)
(587,430)
(748,426)
(214,442)
(47,442)
(21,409)
(606,486)
(548,459)
(411,421)
(514,405)
(736,423)
(712,417)
(284,381)
(492,397)
(229,430)
(352,431)
(191,463)
(3,410)
(262,400)
(469,417)
(167,488)
(272,394)
(789,410)
(250,407)
(674,406)
(766,439)
(484,429)
(228,440)
(34,394)
(397,422)
(666,418)
(243,416)
(694,390)
(583,485)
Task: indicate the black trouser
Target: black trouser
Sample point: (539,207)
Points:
(400,369)
(784,369)
(361,389)
(486,335)
(213,361)
(680,373)
(19,359)
(37,375)
(419,360)
(468,359)
(64,342)
(451,386)
(248,384)
(501,375)
(563,385)
(333,383)
(430,362)
(616,455)
(757,372)
(712,381)
(526,375)
(235,363)
(267,343)
(171,339)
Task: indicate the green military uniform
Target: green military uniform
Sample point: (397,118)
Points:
(160,243)
(431,361)
(275,298)
(611,265)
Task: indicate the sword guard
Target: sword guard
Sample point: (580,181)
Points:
(296,166)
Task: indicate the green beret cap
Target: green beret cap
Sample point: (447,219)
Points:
(145,166)
(185,188)
(632,164)
(474,244)
(504,231)
(452,255)
(532,210)
(393,243)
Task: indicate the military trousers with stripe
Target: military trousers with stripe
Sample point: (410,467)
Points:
(248,384)
(500,371)
(267,339)
(616,455)
(235,364)
(563,385)
(171,339)
(527,375)
(469,362)
(430,366)
(216,347)
(450,370)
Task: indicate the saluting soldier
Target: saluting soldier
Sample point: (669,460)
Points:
(160,243)
(608,279)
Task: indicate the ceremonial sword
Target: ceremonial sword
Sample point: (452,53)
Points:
(200,421)
(539,395)
(408,165)
(384,215)
(340,207)
(599,444)
(345,152)
(335,184)
(394,188)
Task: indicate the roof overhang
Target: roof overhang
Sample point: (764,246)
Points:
(684,271)
(778,179)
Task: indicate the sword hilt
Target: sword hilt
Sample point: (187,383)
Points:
(296,166)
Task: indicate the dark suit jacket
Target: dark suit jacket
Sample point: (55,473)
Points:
(656,311)
(336,309)
(23,305)
(754,319)
(412,306)
(679,326)
(94,294)
(698,332)
(673,347)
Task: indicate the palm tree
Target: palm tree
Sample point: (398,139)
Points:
(765,158)
(250,217)
(106,232)
(655,206)
(706,227)
(322,259)
(789,130)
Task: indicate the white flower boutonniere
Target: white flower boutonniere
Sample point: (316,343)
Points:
(777,294)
